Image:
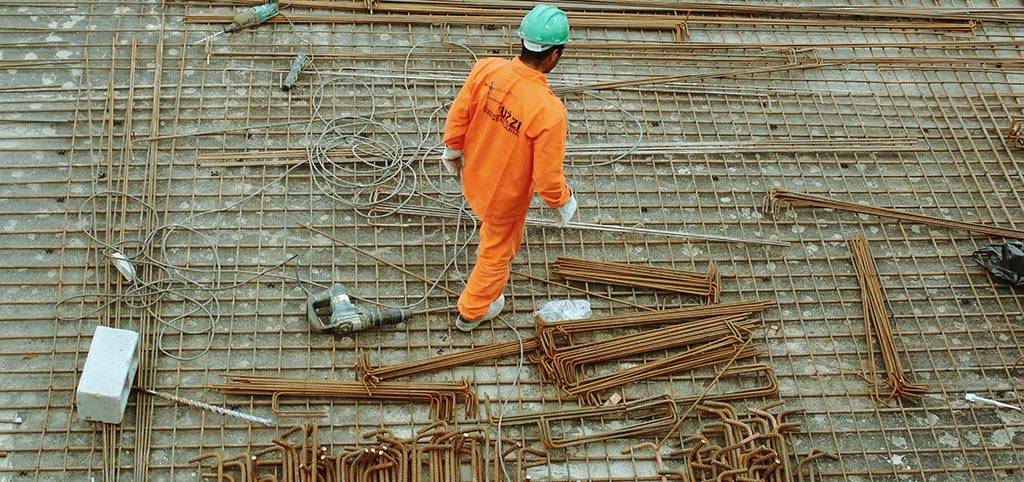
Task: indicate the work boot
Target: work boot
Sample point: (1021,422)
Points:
(492,311)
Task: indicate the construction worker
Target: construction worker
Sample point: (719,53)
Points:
(505,133)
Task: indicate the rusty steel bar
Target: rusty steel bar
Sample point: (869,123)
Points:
(779,199)
(878,324)
(707,284)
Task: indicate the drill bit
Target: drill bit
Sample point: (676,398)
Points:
(213,408)
(208,37)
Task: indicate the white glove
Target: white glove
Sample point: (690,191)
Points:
(567,212)
(452,160)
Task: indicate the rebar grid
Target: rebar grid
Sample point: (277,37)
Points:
(68,140)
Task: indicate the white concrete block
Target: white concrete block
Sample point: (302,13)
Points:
(108,375)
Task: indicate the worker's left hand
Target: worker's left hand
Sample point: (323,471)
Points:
(452,160)
(567,212)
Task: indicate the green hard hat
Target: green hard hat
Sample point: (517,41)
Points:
(545,25)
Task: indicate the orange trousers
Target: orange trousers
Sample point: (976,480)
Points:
(499,244)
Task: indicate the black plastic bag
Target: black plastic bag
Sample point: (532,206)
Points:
(1005,261)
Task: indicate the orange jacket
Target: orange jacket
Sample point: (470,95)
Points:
(511,129)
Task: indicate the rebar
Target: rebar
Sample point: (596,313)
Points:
(752,448)
(519,7)
(709,335)
(288,157)
(564,364)
(770,387)
(547,332)
(413,14)
(779,199)
(372,374)
(699,356)
(447,213)
(648,416)
(442,397)
(707,285)
(878,324)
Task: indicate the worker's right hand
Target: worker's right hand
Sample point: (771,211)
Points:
(452,160)
(567,212)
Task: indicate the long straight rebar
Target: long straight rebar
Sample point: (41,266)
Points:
(779,199)
(373,374)
(446,213)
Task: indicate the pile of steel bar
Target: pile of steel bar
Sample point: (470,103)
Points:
(436,453)
(443,397)
(657,414)
(651,416)
(371,374)
(564,364)
(779,199)
(707,335)
(723,350)
(878,324)
(754,448)
(707,284)
(547,332)
(285,461)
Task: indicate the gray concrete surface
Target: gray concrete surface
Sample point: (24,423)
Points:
(78,76)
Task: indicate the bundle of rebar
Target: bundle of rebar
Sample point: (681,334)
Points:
(650,416)
(437,453)
(371,375)
(548,332)
(564,364)
(878,324)
(755,447)
(698,356)
(707,284)
(779,199)
(707,335)
(443,397)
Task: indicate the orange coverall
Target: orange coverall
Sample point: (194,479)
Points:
(511,129)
